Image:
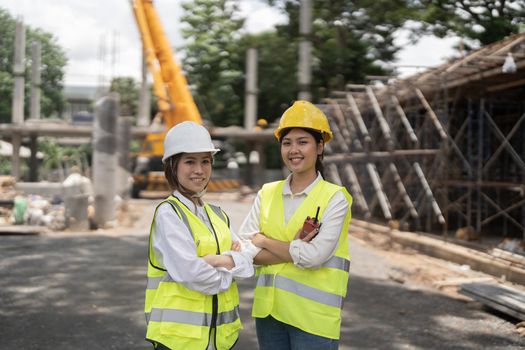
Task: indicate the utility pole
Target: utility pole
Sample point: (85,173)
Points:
(250,89)
(34,113)
(305,51)
(17,110)
(144,101)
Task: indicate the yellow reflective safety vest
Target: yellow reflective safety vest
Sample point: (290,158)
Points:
(181,318)
(309,299)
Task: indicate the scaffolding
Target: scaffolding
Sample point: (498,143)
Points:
(438,151)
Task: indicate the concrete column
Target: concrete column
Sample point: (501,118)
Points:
(17,110)
(143,118)
(305,50)
(33,160)
(250,90)
(36,59)
(105,158)
(123,141)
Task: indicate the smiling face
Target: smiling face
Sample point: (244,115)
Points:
(299,151)
(194,171)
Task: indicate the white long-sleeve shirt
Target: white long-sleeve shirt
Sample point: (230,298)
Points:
(304,254)
(175,249)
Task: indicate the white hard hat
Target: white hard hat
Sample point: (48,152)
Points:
(187,137)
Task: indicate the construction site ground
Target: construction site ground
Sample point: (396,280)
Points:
(85,290)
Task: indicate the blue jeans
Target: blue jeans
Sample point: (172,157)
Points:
(276,335)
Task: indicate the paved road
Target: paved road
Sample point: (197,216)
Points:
(85,291)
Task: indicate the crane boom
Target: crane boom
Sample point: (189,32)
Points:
(170,85)
(171,89)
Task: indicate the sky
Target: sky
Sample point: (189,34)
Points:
(101,40)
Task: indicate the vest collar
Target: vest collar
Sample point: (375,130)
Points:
(287,191)
(187,202)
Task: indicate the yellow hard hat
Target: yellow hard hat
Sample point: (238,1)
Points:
(303,114)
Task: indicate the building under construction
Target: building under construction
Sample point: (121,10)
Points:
(440,150)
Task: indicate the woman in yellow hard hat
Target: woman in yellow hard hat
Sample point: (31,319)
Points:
(298,228)
(190,302)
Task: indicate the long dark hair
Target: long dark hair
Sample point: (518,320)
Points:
(169,171)
(318,137)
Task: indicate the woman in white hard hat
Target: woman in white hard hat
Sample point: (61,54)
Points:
(192,300)
(299,233)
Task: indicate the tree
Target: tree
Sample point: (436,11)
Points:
(351,39)
(479,20)
(53,63)
(212,56)
(129,94)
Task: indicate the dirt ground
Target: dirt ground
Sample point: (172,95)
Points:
(84,290)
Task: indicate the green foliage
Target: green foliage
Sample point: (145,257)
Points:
(59,158)
(479,20)
(212,57)
(53,63)
(351,39)
(129,92)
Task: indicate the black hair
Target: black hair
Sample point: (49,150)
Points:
(318,137)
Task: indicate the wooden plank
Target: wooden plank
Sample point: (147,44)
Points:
(503,298)
(496,306)
(21,230)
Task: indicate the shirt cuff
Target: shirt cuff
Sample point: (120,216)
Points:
(243,264)
(295,252)
(249,248)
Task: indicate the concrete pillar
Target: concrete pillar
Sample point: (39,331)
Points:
(105,158)
(143,118)
(123,141)
(305,50)
(250,90)
(36,59)
(17,110)
(33,160)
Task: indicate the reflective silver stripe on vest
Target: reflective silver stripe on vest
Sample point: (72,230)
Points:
(153,282)
(217,210)
(300,289)
(337,262)
(192,317)
(228,316)
(182,214)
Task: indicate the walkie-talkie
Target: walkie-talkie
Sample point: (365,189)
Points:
(309,225)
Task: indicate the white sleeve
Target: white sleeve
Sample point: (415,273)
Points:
(250,227)
(243,260)
(316,252)
(175,249)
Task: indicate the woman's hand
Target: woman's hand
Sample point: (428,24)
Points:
(236,246)
(258,240)
(309,236)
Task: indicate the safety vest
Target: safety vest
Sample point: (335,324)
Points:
(181,318)
(309,299)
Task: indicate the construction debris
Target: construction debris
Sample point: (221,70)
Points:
(502,298)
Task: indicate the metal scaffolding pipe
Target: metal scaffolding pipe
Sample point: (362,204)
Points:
(428,192)
(357,192)
(433,116)
(402,190)
(404,120)
(378,188)
(383,123)
(359,119)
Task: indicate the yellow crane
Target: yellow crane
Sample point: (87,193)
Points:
(174,99)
